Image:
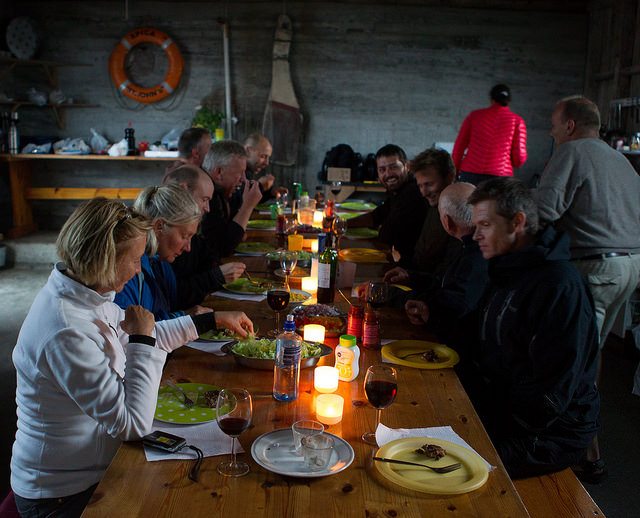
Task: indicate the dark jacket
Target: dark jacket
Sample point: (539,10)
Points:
(197,273)
(401,217)
(537,346)
(221,232)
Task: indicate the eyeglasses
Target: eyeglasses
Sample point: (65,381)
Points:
(395,167)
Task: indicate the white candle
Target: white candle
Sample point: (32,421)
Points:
(314,246)
(310,285)
(314,333)
(314,267)
(318,216)
(329,408)
(325,379)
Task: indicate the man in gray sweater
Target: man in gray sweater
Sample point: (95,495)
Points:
(592,192)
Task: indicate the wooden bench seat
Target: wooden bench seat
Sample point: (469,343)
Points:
(557,495)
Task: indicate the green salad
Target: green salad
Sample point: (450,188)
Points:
(265,349)
(220,334)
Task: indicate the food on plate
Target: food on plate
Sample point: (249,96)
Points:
(308,229)
(218,334)
(330,317)
(254,247)
(209,398)
(433,451)
(431,356)
(298,296)
(265,349)
(254,286)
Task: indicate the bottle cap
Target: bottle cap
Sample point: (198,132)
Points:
(347,340)
(289,324)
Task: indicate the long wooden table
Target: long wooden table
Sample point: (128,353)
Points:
(134,487)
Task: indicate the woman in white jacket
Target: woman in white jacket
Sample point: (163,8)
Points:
(88,372)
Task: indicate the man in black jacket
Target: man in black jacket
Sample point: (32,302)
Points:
(536,341)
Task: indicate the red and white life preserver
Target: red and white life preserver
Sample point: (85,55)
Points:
(137,92)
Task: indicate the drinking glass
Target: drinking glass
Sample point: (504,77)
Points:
(317,451)
(377,294)
(288,262)
(339,229)
(336,187)
(381,387)
(302,429)
(233,414)
(278,297)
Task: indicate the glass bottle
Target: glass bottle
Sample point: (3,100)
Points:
(14,136)
(327,268)
(286,371)
(371,330)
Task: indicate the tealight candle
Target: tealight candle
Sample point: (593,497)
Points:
(318,216)
(314,246)
(314,333)
(295,242)
(329,408)
(325,379)
(314,267)
(310,285)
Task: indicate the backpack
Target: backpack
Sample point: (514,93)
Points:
(342,155)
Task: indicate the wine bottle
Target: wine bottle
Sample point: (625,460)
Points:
(327,267)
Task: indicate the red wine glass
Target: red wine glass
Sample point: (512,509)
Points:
(381,387)
(233,414)
(278,297)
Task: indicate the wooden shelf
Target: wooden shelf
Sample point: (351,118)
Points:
(20,156)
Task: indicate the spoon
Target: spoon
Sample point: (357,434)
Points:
(443,469)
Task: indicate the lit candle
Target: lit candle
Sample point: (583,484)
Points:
(325,379)
(314,246)
(318,216)
(329,408)
(314,267)
(295,242)
(314,333)
(310,285)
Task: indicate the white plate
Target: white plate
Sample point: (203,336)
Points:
(274,452)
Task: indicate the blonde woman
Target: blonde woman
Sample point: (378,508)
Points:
(175,216)
(75,350)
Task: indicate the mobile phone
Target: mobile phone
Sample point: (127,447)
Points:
(164,441)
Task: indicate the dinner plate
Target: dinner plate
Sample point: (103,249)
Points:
(274,452)
(472,474)
(171,409)
(254,248)
(349,215)
(361,233)
(297,273)
(244,286)
(363,255)
(261,224)
(395,351)
(357,205)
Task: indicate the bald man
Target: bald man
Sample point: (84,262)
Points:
(259,151)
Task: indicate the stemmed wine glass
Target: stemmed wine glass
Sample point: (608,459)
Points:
(233,413)
(377,294)
(336,187)
(381,387)
(339,229)
(288,262)
(278,297)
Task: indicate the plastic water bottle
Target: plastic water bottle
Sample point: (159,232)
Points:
(286,372)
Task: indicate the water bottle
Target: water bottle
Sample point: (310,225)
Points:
(286,372)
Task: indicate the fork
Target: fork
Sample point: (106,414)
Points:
(188,402)
(443,469)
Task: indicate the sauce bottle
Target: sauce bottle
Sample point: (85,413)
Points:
(347,358)
(371,330)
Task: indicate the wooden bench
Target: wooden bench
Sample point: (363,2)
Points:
(556,495)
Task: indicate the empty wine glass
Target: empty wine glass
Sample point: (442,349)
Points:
(233,414)
(380,387)
(339,229)
(278,297)
(336,187)
(288,261)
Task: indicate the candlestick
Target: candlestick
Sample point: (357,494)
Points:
(325,379)
(329,408)
(314,333)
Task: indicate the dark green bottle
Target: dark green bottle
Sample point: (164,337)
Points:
(327,269)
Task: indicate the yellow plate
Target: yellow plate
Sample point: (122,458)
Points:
(397,351)
(363,255)
(472,475)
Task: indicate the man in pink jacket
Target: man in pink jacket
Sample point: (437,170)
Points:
(492,141)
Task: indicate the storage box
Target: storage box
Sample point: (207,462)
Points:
(338,174)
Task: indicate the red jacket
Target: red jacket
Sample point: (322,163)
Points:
(495,140)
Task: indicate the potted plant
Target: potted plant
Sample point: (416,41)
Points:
(210,119)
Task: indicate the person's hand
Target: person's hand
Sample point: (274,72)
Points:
(251,194)
(232,271)
(138,321)
(235,321)
(396,275)
(417,311)
(266,181)
(198,310)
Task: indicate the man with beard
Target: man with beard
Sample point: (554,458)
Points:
(193,145)
(402,214)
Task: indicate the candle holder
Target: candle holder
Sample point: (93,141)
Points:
(314,333)
(325,379)
(329,408)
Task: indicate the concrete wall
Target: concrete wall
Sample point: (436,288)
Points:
(365,74)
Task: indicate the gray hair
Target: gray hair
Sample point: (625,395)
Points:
(170,203)
(221,154)
(454,202)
